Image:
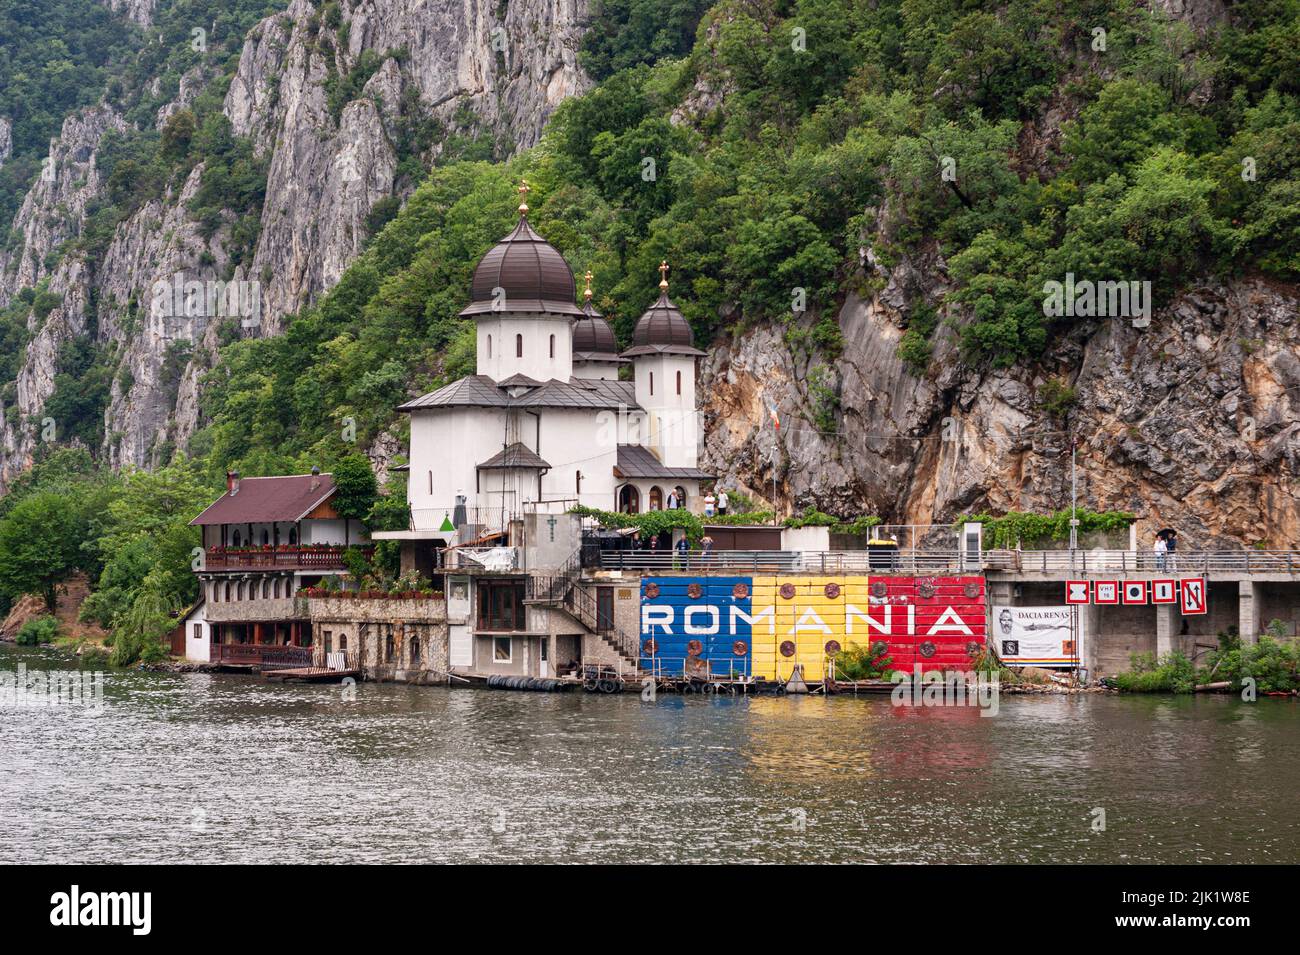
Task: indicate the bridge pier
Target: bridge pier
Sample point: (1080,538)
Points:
(1248,616)
(1168,629)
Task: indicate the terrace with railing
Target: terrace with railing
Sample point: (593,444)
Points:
(279,557)
(264,655)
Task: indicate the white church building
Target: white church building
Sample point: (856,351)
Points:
(546,422)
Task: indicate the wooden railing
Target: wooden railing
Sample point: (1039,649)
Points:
(283,556)
(267,656)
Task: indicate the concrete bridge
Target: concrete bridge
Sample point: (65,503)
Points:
(1245,589)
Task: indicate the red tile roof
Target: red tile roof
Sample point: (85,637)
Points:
(260,499)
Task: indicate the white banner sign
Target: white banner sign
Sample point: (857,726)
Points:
(1034,636)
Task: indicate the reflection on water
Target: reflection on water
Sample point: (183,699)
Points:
(230,769)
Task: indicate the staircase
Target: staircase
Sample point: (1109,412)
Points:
(565,592)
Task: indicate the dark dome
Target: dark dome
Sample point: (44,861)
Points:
(663,328)
(593,336)
(533,274)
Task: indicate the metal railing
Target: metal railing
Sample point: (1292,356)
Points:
(1145,562)
(952,561)
(488,519)
(577,601)
(267,656)
(784,561)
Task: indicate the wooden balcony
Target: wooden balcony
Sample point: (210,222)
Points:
(278,557)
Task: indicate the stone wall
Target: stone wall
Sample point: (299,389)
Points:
(249,611)
(388,639)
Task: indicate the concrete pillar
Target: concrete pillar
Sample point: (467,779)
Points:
(1168,625)
(1089,636)
(997,593)
(1248,622)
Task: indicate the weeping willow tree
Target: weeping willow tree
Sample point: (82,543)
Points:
(140,631)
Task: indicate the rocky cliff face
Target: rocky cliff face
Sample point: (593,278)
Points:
(469,68)
(459,64)
(1193,421)
(137,11)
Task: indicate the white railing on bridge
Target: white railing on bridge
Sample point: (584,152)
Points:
(1145,562)
(787,561)
(953,561)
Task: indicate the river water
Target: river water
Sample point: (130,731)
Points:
(218,768)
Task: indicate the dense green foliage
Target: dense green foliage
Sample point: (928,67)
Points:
(1172,673)
(777,185)
(780,154)
(54,58)
(1021,529)
(811,517)
(626,33)
(67,516)
(36,631)
(858,662)
(1270,665)
(40,539)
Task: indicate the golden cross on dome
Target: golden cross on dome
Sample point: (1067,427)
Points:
(523,191)
(663,275)
(587,294)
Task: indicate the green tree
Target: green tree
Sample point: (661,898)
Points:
(140,631)
(40,545)
(355,488)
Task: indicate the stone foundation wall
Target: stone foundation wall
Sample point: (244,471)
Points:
(387,639)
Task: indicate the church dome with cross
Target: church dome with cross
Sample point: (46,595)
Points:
(523,273)
(663,329)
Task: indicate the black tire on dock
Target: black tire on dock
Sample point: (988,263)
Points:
(609,686)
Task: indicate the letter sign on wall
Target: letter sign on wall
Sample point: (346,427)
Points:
(1162,592)
(1106,592)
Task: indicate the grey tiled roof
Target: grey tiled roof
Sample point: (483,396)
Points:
(635,461)
(518,455)
(480,391)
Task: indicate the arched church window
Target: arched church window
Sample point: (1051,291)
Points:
(552,346)
(656,499)
(519,346)
(489,346)
(652,382)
